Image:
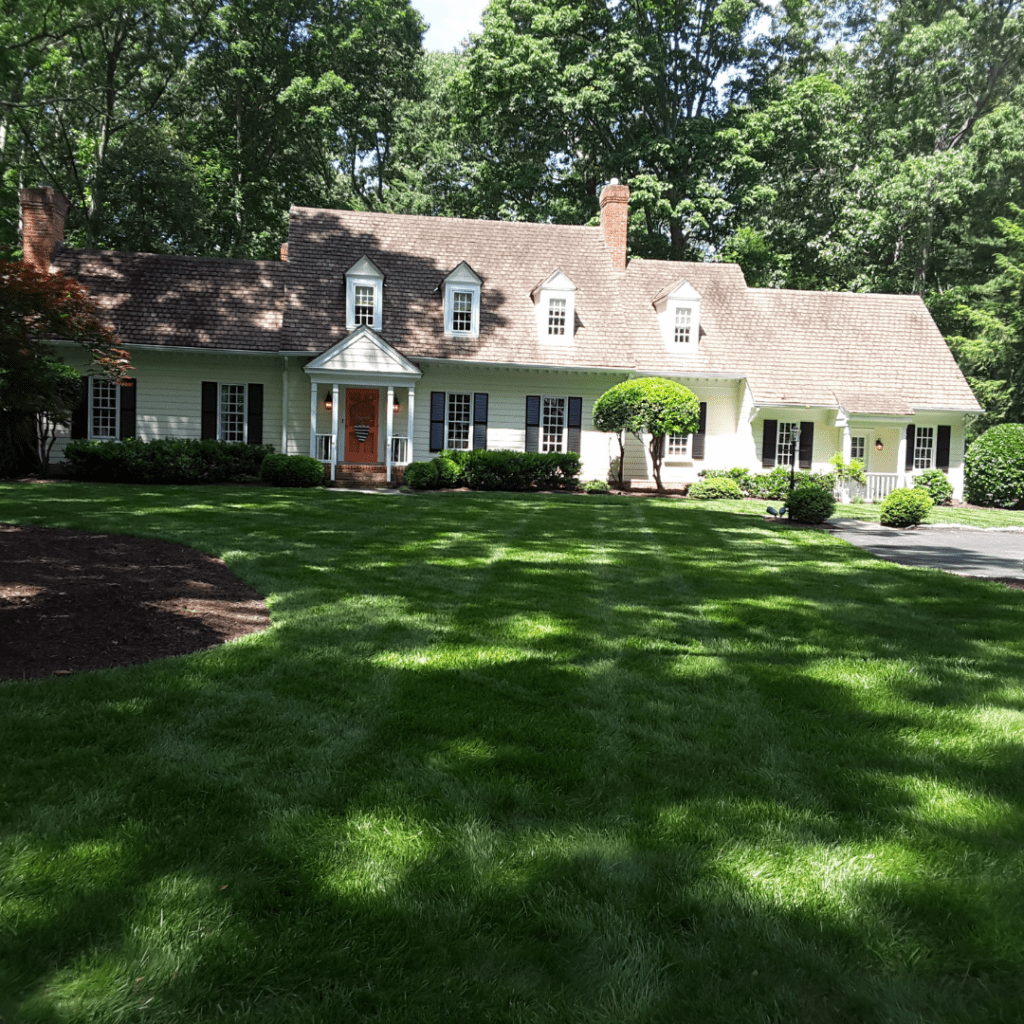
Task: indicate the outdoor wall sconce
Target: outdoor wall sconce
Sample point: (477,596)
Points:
(397,405)
(329,401)
(878,444)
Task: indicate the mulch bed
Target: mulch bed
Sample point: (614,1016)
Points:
(72,601)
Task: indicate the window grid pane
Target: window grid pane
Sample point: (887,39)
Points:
(364,305)
(784,444)
(232,412)
(857,448)
(556,318)
(552,424)
(682,327)
(104,408)
(458,421)
(924,440)
(462,311)
(677,444)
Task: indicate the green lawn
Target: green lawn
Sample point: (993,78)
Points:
(510,758)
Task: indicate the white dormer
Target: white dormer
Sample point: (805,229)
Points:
(364,296)
(462,302)
(678,309)
(555,301)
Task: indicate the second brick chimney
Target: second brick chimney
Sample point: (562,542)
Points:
(615,220)
(43,211)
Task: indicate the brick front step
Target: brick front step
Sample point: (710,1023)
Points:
(372,474)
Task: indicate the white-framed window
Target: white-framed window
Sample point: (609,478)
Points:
(104,408)
(231,413)
(364,296)
(555,301)
(924,447)
(552,424)
(462,302)
(858,445)
(785,444)
(462,312)
(677,446)
(556,316)
(459,420)
(682,325)
(678,309)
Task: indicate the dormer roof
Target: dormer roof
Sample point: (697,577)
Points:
(462,274)
(555,282)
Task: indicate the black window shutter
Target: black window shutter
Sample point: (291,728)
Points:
(771,431)
(942,449)
(254,409)
(480,420)
(533,423)
(909,464)
(806,445)
(436,420)
(698,439)
(128,394)
(208,418)
(80,414)
(575,425)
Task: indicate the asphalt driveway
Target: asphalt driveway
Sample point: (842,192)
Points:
(966,550)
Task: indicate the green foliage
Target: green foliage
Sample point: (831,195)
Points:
(421,476)
(170,461)
(449,472)
(852,470)
(994,467)
(811,504)
(937,484)
(521,471)
(595,487)
(714,487)
(292,471)
(906,506)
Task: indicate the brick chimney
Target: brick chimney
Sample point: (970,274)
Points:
(284,252)
(615,220)
(43,211)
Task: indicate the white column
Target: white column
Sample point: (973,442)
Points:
(390,420)
(901,456)
(847,443)
(312,419)
(335,410)
(284,408)
(409,420)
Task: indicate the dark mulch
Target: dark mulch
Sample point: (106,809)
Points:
(73,601)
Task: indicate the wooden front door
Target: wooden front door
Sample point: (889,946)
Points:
(362,409)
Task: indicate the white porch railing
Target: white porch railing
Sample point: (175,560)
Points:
(876,487)
(325,447)
(399,450)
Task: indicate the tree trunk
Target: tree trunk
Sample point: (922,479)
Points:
(18,449)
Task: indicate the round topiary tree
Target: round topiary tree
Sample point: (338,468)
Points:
(647,405)
(994,467)
(811,504)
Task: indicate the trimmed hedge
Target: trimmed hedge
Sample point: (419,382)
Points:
(773,485)
(715,487)
(937,484)
(906,506)
(595,487)
(811,504)
(486,470)
(994,467)
(292,471)
(170,461)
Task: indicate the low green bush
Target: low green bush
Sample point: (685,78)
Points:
(811,504)
(421,476)
(167,461)
(994,467)
(906,506)
(595,487)
(449,472)
(292,471)
(488,470)
(937,484)
(714,487)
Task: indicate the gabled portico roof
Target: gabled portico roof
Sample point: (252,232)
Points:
(365,355)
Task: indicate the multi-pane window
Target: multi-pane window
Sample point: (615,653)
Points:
(677,445)
(857,448)
(924,445)
(684,316)
(458,420)
(552,424)
(232,412)
(103,414)
(364,305)
(462,312)
(556,322)
(785,447)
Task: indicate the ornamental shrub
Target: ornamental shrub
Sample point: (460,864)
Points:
(488,470)
(811,504)
(595,487)
(937,484)
(292,471)
(168,461)
(421,476)
(449,472)
(715,487)
(906,506)
(994,467)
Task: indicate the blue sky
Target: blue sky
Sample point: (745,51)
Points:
(450,21)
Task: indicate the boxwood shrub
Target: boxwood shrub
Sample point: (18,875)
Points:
(906,506)
(521,471)
(994,467)
(292,471)
(811,504)
(421,476)
(937,484)
(714,487)
(168,461)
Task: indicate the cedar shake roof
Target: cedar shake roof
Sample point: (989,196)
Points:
(870,354)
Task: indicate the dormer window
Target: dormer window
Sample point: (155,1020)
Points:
(364,294)
(555,301)
(678,309)
(462,302)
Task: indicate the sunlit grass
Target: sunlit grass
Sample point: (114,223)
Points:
(515,758)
